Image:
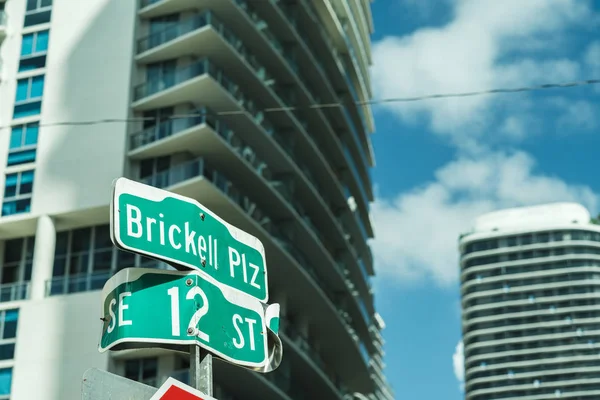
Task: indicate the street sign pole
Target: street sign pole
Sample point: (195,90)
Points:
(201,377)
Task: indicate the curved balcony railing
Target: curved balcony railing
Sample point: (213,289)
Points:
(163,130)
(77,283)
(173,31)
(178,76)
(14,291)
(176,174)
(356,175)
(304,345)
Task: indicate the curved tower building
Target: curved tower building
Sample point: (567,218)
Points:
(530,299)
(211,99)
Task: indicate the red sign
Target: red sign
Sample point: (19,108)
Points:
(172,389)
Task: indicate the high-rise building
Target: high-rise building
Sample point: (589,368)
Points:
(192,96)
(530,298)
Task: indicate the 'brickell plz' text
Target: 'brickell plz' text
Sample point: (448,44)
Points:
(206,248)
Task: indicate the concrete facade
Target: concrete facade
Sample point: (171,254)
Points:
(97,89)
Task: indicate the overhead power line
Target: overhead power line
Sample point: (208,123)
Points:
(339,104)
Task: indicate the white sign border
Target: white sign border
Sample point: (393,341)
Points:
(174,382)
(127,186)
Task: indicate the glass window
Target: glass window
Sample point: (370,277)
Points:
(5,381)
(27,44)
(22,89)
(18,256)
(85,258)
(37,86)
(34,47)
(27,109)
(142,369)
(24,135)
(10,324)
(35,43)
(41,43)
(33,5)
(19,183)
(30,88)
(17,192)
(38,12)
(8,335)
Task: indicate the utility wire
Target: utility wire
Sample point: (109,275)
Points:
(336,104)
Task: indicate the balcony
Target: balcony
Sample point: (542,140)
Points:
(309,354)
(14,291)
(61,285)
(203,80)
(154,8)
(197,180)
(85,282)
(176,39)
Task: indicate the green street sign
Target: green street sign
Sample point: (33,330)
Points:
(160,307)
(184,233)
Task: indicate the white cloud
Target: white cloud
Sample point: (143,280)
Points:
(472,52)
(458,363)
(592,58)
(416,233)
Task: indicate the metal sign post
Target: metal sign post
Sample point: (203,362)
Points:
(201,376)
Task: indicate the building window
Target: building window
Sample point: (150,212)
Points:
(8,336)
(37,12)
(29,89)
(16,269)
(34,47)
(23,143)
(5,383)
(143,370)
(28,100)
(36,5)
(18,189)
(85,258)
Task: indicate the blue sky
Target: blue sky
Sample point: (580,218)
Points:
(440,163)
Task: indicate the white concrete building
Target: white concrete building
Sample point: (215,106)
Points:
(91,90)
(530,298)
